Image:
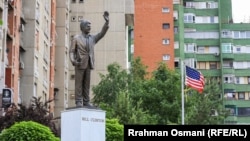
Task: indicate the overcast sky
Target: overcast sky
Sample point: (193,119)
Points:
(241,10)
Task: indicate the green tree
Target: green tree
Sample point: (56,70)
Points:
(138,70)
(160,95)
(113,95)
(28,131)
(110,85)
(205,108)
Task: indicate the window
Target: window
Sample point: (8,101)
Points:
(212,19)
(201,65)
(238,50)
(37,12)
(227,48)
(37,39)
(165,10)
(227,64)
(175,15)
(237,80)
(176,63)
(243,111)
(226,33)
(231,110)
(190,47)
(241,96)
(165,41)
(213,66)
(230,95)
(176,45)
(189,4)
(165,25)
(73,18)
(191,62)
(165,57)
(80,18)
(228,79)
(72,77)
(247,34)
(241,34)
(201,49)
(236,34)
(176,29)
(189,18)
(73,1)
(80,1)
(35,90)
(211,5)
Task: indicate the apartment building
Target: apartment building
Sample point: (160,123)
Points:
(207,38)
(27,49)
(153,32)
(61,85)
(3,47)
(38,41)
(203,35)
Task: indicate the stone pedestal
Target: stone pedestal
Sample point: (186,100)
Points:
(83,124)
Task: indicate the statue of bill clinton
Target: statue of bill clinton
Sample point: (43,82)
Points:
(82,58)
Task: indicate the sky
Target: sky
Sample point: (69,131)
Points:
(241,10)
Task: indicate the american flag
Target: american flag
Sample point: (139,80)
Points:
(194,79)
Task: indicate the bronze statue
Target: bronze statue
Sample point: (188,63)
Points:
(82,57)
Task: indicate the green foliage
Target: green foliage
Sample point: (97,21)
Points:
(127,113)
(28,131)
(134,98)
(114,130)
(160,95)
(37,111)
(116,80)
(205,108)
(138,70)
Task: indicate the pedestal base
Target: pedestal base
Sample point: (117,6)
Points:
(82,124)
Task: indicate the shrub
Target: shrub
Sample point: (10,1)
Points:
(28,131)
(37,111)
(114,130)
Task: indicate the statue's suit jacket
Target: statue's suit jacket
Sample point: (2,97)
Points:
(82,46)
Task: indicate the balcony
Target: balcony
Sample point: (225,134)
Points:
(227,55)
(242,56)
(207,57)
(237,103)
(242,88)
(229,86)
(228,71)
(211,72)
(242,72)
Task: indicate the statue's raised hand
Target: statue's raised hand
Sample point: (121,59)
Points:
(106,16)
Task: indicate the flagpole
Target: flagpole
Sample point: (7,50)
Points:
(182,93)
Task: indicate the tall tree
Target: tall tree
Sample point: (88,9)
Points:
(160,95)
(110,85)
(205,108)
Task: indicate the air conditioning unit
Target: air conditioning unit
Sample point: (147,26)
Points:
(36,74)
(21,65)
(21,28)
(175,18)
(216,54)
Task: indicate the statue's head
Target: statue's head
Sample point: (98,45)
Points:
(85,26)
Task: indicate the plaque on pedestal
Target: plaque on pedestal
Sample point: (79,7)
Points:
(83,124)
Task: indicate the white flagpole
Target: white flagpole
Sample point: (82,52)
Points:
(182,93)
